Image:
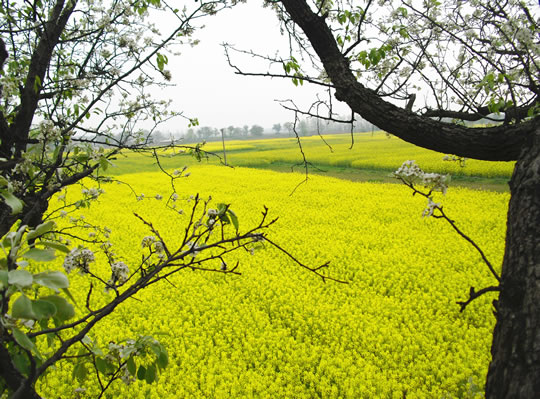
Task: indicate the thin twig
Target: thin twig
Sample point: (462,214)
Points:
(475,294)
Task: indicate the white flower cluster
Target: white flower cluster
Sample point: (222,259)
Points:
(435,181)
(411,173)
(8,87)
(78,258)
(152,242)
(120,272)
(148,241)
(119,352)
(92,193)
(431,206)
(48,132)
(454,158)
(23,166)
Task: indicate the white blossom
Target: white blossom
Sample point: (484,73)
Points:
(79,258)
(431,206)
(120,272)
(411,173)
(148,241)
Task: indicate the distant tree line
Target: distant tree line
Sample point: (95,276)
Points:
(312,125)
(209,133)
(303,127)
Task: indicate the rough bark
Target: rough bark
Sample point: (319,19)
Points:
(514,371)
(18,132)
(515,368)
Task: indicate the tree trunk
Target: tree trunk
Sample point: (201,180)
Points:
(18,384)
(514,371)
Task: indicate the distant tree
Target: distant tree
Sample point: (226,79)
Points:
(245,131)
(288,126)
(256,131)
(158,137)
(206,132)
(277,128)
(302,129)
(190,136)
(237,132)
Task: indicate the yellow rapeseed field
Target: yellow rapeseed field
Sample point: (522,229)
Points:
(370,151)
(278,331)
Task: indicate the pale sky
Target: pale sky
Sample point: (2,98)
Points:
(207,88)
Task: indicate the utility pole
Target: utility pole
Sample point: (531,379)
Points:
(223,141)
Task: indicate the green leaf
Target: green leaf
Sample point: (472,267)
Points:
(3,279)
(43,309)
(54,280)
(82,158)
(13,202)
(131,366)
(162,60)
(22,309)
(234,219)
(80,371)
(21,362)
(163,359)
(20,277)
(41,229)
(141,373)
(224,219)
(102,365)
(55,245)
(68,293)
(150,375)
(221,208)
(103,163)
(64,309)
(51,340)
(7,240)
(23,340)
(39,255)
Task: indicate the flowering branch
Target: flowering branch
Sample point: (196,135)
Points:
(411,175)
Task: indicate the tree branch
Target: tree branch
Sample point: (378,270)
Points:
(500,143)
(476,294)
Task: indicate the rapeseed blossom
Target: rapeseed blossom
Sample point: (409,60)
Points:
(277,330)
